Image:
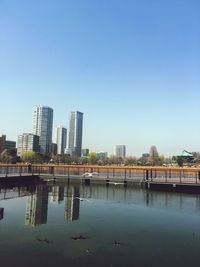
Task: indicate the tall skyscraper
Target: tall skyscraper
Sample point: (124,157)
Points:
(75,133)
(120,151)
(42,126)
(27,142)
(61,139)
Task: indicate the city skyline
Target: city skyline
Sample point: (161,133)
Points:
(132,67)
(59,131)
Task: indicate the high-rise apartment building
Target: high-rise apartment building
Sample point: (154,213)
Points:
(75,133)
(61,139)
(27,142)
(54,149)
(120,151)
(42,126)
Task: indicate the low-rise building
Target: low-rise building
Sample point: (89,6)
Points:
(6,144)
(85,152)
(102,155)
(27,142)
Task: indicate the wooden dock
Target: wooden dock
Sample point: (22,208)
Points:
(153,177)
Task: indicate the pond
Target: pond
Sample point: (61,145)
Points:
(77,225)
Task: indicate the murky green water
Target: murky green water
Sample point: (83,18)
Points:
(72,225)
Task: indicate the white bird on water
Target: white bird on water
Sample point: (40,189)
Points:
(89,174)
(115,183)
(82,199)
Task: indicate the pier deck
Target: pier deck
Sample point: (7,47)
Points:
(152,176)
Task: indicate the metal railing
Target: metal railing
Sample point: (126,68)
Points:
(132,173)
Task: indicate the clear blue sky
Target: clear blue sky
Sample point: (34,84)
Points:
(131,66)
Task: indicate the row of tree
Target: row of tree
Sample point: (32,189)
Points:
(152,159)
(9,156)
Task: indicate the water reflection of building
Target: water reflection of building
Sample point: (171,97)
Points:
(37,206)
(1,213)
(15,192)
(72,205)
(57,194)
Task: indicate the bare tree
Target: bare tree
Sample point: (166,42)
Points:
(154,156)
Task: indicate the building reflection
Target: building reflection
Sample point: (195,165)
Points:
(72,204)
(57,194)
(37,207)
(1,213)
(10,192)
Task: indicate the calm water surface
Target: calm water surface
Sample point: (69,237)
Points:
(72,225)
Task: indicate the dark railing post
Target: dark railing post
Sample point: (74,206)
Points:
(68,172)
(166,176)
(147,175)
(151,175)
(20,171)
(19,192)
(107,173)
(180,177)
(53,169)
(6,171)
(29,168)
(113,172)
(125,173)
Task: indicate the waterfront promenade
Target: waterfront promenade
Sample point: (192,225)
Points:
(128,173)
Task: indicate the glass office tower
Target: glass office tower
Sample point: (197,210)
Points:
(61,139)
(42,126)
(75,133)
